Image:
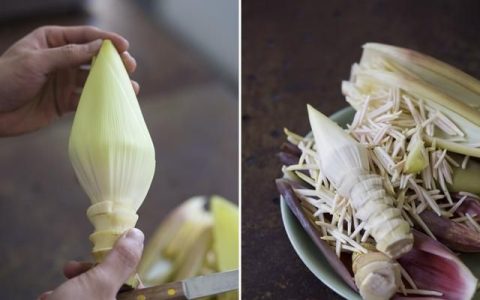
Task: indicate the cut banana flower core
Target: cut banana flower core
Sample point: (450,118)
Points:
(111,150)
(409,158)
(181,246)
(193,241)
(377,276)
(344,162)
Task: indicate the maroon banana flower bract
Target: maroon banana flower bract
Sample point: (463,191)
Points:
(433,266)
(456,236)
(285,187)
(430,264)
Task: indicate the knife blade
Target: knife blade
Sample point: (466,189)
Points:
(190,288)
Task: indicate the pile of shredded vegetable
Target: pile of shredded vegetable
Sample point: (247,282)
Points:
(389,122)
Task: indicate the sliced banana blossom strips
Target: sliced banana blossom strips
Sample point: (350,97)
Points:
(409,158)
(444,97)
(420,120)
(345,163)
(428,270)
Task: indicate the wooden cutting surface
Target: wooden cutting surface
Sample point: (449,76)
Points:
(192,118)
(297,52)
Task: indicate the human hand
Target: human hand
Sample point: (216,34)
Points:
(103,281)
(41,75)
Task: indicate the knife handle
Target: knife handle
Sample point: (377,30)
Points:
(169,291)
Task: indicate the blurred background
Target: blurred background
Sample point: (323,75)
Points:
(187,55)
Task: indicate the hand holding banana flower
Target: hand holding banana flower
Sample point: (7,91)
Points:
(44,72)
(42,75)
(407,162)
(113,157)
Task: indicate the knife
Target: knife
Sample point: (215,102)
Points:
(190,288)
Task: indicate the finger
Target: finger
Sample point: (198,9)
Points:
(58,36)
(129,62)
(75,96)
(75,268)
(120,263)
(74,99)
(136,87)
(83,71)
(70,55)
(80,77)
(80,80)
(44,296)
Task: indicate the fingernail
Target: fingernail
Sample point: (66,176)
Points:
(95,45)
(135,235)
(129,61)
(130,56)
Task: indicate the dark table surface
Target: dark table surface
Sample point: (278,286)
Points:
(297,52)
(192,118)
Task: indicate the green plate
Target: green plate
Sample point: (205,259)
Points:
(314,259)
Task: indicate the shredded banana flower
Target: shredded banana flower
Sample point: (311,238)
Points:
(333,214)
(389,130)
(419,124)
(389,122)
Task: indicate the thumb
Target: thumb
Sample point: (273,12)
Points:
(119,264)
(70,55)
